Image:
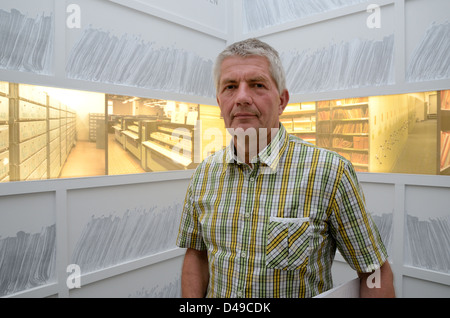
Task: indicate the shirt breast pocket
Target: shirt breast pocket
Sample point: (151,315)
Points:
(287,245)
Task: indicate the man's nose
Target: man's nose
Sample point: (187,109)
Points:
(243,95)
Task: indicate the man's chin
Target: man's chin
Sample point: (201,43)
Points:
(244,128)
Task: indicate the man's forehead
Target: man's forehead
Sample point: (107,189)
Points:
(238,59)
(249,77)
(253,68)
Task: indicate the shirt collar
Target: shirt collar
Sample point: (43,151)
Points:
(269,157)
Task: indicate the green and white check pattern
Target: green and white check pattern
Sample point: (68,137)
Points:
(272,231)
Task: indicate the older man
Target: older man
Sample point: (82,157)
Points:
(263,217)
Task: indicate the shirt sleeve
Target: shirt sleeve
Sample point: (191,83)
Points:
(356,234)
(189,232)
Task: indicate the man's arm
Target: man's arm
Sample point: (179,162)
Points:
(194,274)
(378,284)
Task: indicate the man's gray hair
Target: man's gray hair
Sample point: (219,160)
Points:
(253,47)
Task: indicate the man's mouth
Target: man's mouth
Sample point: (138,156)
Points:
(243,115)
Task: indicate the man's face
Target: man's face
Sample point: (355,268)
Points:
(247,94)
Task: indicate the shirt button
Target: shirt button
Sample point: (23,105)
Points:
(247,215)
(243,254)
(240,293)
(252,179)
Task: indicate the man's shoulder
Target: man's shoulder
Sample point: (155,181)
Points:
(218,157)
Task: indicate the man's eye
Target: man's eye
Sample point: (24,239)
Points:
(230,87)
(259,85)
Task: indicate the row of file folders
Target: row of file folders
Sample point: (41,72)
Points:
(353,113)
(353,142)
(445,149)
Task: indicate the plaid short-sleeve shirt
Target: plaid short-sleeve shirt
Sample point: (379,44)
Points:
(272,230)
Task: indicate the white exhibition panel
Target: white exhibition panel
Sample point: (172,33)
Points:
(113,225)
(349,289)
(91,45)
(105,49)
(97,31)
(416,233)
(207,14)
(408,49)
(28,36)
(27,241)
(382,211)
(426,44)
(262,14)
(318,59)
(158,280)
(105,225)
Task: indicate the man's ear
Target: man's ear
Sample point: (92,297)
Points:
(284,100)
(218,104)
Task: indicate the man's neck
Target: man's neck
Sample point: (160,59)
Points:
(248,145)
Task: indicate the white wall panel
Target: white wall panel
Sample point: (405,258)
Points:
(418,249)
(260,14)
(159,280)
(427,242)
(27,31)
(421,288)
(210,14)
(113,225)
(27,241)
(29,208)
(381,210)
(131,226)
(427,31)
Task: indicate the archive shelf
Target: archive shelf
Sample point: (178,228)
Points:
(343,126)
(28,127)
(93,119)
(338,125)
(324,128)
(131,133)
(41,133)
(444,132)
(117,127)
(300,120)
(4,131)
(168,146)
